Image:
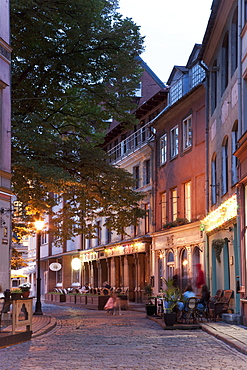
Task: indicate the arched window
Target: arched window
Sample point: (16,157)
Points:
(214,189)
(170,264)
(224,63)
(224,161)
(184,268)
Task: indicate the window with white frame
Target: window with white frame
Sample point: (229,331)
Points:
(170,265)
(224,159)
(174,199)
(174,141)
(187,200)
(187,133)
(163,208)
(198,74)
(163,149)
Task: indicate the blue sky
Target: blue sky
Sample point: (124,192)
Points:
(171,27)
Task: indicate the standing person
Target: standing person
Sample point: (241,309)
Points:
(111,304)
(200,278)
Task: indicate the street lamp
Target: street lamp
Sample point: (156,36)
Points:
(39,224)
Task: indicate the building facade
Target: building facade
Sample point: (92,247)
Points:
(178,243)
(221,59)
(5,142)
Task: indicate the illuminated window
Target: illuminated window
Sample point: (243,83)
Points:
(174,204)
(187,200)
(163,209)
(147,218)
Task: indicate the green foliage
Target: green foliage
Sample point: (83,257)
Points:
(218,245)
(17,260)
(148,290)
(178,222)
(172,294)
(74,67)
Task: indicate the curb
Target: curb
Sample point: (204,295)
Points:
(232,342)
(47,328)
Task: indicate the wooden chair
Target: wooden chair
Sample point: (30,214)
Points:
(221,306)
(189,310)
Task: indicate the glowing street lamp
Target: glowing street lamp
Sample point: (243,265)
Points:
(39,224)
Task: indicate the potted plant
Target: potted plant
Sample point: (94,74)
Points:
(172,295)
(150,306)
(25,289)
(16,294)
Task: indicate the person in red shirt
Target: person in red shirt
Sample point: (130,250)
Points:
(200,278)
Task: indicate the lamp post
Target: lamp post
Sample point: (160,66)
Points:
(39,224)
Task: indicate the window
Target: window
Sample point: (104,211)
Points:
(163,209)
(136,175)
(108,236)
(170,265)
(213,180)
(198,75)
(224,158)
(147,172)
(163,149)
(176,91)
(147,218)
(224,63)
(187,200)
(174,142)
(234,42)
(187,133)
(234,158)
(174,204)
(214,83)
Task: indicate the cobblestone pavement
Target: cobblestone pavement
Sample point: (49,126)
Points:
(93,340)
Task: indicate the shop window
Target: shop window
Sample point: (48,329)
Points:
(187,200)
(224,63)
(187,133)
(174,199)
(59,275)
(234,158)
(234,42)
(224,159)
(214,189)
(163,209)
(214,83)
(174,142)
(163,149)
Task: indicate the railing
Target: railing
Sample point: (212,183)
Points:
(133,142)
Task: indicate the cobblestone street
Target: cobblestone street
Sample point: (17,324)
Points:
(88,339)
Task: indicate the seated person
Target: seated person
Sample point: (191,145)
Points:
(84,289)
(188,293)
(203,301)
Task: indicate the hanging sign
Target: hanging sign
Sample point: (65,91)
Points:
(55,266)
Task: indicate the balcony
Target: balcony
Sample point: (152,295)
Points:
(132,143)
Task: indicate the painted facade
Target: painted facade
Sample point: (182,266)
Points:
(178,243)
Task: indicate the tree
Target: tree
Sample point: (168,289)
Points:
(75,66)
(17,260)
